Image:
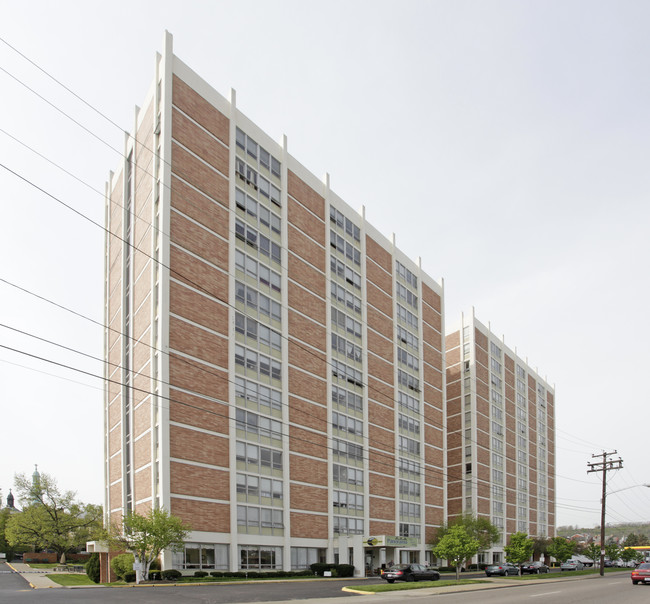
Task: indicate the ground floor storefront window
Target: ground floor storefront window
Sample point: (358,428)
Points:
(302,557)
(203,556)
(253,557)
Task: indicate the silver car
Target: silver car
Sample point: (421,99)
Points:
(572,565)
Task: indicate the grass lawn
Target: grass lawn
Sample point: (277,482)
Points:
(45,566)
(67,580)
(414,585)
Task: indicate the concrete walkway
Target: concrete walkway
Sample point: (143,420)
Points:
(34,576)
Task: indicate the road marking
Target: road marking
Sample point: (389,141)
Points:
(548,593)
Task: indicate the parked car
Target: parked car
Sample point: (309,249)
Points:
(572,565)
(534,568)
(410,572)
(641,574)
(503,569)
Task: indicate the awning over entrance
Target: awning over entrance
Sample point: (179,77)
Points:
(391,541)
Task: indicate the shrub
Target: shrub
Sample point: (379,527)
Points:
(216,573)
(129,577)
(92,568)
(171,574)
(122,564)
(155,575)
(200,573)
(345,570)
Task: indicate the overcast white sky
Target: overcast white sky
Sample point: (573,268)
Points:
(506,143)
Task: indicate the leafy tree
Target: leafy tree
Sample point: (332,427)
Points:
(629,555)
(479,528)
(560,548)
(520,548)
(456,546)
(613,551)
(147,535)
(122,564)
(540,545)
(592,551)
(51,519)
(634,539)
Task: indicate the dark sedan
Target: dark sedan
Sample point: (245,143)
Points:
(534,568)
(503,569)
(410,572)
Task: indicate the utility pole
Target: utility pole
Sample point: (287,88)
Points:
(604,466)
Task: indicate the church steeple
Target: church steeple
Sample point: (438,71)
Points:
(36,484)
(10,500)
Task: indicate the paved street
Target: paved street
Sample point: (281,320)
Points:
(615,587)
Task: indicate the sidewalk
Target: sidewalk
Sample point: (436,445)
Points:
(35,577)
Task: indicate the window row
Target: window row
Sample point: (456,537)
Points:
(259,518)
(250,176)
(406,358)
(207,556)
(495,351)
(409,424)
(346,348)
(495,366)
(408,338)
(410,530)
(343,296)
(496,381)
(260,364)
(258,271)
(408,381)
(345,449)
(344,525)
(257,331)
(264,398)
(347,373)
(409,509)
(409,489)
(406,274)
(407,295)
(260,457)
(347,399)
(345,247)
(254,487)
(341,320)
(340,269)
(257,301)
(350,501)
(257,426)
(408,402)
(257,241)
(345,475)
(407,316)
(260,557)
(257,152)
(259,213)
(408,466)
(496,397)
(345,224)
(409,445)
(347,424)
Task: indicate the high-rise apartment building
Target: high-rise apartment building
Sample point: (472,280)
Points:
(275,366)
(500,437)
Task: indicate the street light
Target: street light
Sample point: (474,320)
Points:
(602,521)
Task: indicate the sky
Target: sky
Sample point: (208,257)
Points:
(505,143)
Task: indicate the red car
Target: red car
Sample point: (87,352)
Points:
(641,574)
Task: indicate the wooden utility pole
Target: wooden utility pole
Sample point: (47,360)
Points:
(604,466)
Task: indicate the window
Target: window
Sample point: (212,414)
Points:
(347,374)
(342,271)
(409,530)
(343,296)
(346,348)
(409,489)
(338,219)
(495,366)
(257,365)
(344,525)
(258,459)
(497,460)
(521,372)
(409,424)
(258,303)
(260,557)
(257,426)
(257,241)
(407,295)
(348,324)
(407,317)
(408,402)
(407,509)
(257,271)
(344,501)
(497,413)
(257,213)
(255,152)
(408,445)
(203,556)
(495,381)
(408,381)
(347,424)
(409,467)
(252,488)
(344,450)
(521,386)
(495,350)
(406,274)
(347,400)
(408,359)
(258,396)
(253,330)
(496,397)
(303,557)
(347,475)
(408,338)
(345,247)
(497,476)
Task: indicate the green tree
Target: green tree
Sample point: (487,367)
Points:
(540,546)
(630,555)
(592,551)
(520,548)
(147,535)
(634,539)
(456,546)
(92,568)
(479,528)
(613,551)
(561,549)
(51,519)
